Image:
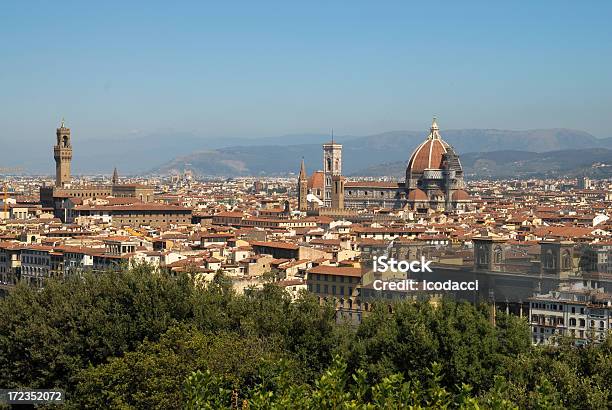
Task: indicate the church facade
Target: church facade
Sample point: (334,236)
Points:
(434,182)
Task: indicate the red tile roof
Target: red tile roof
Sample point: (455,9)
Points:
(279,245)
(336,270)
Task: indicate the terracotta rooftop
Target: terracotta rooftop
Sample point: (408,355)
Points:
(336,270)
(279,245)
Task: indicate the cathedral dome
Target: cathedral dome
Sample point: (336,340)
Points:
(417,195)
(316,180)
(461,195)
(429,154)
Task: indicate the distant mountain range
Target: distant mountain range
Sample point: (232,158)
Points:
(592,162)
(364,155)
(131,154)
(169,151)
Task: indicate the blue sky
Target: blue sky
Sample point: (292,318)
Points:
(259,68)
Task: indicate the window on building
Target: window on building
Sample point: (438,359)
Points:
(549,260)
(567,260)
(498,255)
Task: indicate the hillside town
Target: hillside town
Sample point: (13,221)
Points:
(541,249)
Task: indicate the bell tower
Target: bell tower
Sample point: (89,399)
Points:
(302,189)
(115,179)
(62,152)
(332,166)
(337,197)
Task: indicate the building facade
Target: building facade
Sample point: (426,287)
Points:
(584,314)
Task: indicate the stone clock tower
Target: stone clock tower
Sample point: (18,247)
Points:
(62,152)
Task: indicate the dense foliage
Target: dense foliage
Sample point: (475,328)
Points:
(137,339)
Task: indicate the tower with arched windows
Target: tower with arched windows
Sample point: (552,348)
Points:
(55,196)
(556,258)
(332,163)
(62,152)
(489,254)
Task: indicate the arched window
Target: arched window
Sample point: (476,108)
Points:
(484,256)
(549,260)
(567,260)
(498,255)
(329,164)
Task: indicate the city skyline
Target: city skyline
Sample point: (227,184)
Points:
(311,205)
(121,71)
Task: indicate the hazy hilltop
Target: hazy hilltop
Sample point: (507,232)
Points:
(594,162)
(175,151)
(361,153)
(130,154)
(484,140)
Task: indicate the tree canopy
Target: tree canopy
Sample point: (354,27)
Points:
(141,339)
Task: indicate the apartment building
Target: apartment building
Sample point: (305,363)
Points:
(585,314)
(333,281)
